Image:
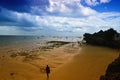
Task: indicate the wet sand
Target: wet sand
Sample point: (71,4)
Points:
(66,62)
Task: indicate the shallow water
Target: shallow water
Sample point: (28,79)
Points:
(16,41)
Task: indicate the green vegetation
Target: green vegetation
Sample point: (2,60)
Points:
(109,38)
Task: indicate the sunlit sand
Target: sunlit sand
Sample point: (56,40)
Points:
(66,63)
(89,64)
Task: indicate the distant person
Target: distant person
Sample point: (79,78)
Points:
(47,71)
(72,44)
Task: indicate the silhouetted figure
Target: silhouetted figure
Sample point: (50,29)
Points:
(72,45)
(47,71)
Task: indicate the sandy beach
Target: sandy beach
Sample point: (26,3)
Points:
(67,62)
(89,64)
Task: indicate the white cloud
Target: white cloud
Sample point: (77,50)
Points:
(68,16)
(92,2)
(87,11)
(96,2)
(104,1)
(69,8)
(60,6)
(89,23)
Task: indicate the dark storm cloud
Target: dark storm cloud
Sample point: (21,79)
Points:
(10,18)
(23,5)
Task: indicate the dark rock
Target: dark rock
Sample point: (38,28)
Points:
(113,71)
(109,38)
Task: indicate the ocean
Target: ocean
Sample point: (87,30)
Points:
(22,41)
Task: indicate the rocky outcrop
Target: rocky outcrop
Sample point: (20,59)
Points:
(113,71)
(109,38)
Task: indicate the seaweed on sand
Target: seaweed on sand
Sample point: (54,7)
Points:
(22,53)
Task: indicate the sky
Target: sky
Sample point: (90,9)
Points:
(58,17)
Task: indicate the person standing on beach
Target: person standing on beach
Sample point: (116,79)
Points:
(47,71)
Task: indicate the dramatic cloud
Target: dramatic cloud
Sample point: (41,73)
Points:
(70,8)
(68,17)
